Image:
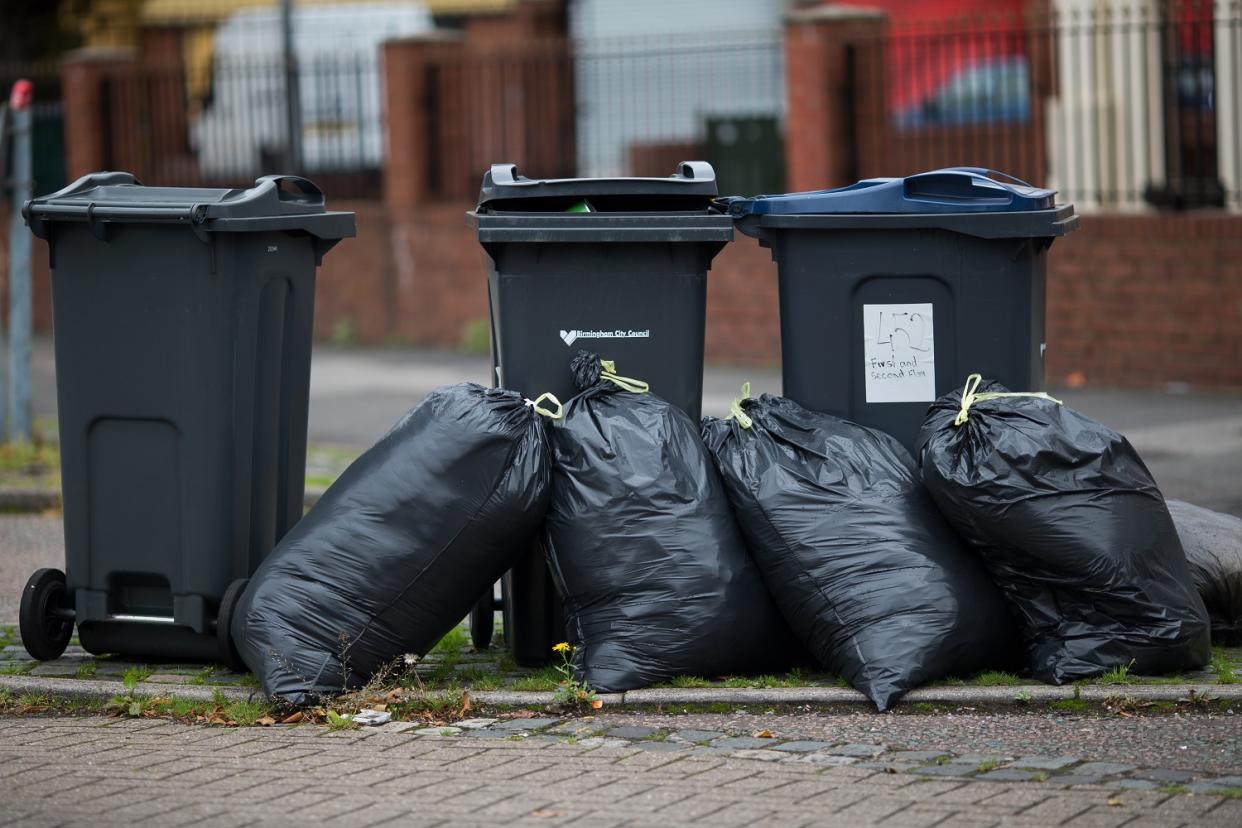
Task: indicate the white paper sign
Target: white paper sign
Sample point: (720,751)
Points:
(899,353)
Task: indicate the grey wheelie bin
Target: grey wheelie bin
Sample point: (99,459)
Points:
(893,290)
(614,265)
(183,332)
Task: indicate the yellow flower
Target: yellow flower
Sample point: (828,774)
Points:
(563,647)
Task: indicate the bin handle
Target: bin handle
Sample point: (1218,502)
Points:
(308,188)
(696,171)
(987,172)
(504,173)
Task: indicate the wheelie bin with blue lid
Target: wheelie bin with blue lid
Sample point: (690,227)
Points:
(893,290)
(183,343)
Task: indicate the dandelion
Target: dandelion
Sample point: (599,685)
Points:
(563,647)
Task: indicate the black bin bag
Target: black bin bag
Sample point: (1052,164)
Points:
(1072,528)
(642,547)
(398,549)
(866,571)
(1213,544)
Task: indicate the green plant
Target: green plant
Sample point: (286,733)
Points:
(995,678)
(136,675)
(1040,776)
(688,681)
(1023,696)
(200,678)
(1074,705)
(989,764)
(570,691)
(1173,789)
(86,669)
(1118,675)
(1222,665)
(543,679)
(1228,793)
(336,721)
(16,668)
(245,712)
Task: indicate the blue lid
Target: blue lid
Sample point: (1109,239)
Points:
(950,190)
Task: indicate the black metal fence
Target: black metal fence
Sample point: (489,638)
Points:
(1120,104)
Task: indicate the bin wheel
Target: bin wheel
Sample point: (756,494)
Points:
(228,653)
(45,617)
(483,621)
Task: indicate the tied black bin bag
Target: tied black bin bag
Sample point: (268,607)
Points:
(1072,528)
(1213,544)
(642,547)
(398,549)
(865,570)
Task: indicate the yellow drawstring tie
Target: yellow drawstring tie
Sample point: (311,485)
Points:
(970,397)
(547,412)
(735,410)
(609,373)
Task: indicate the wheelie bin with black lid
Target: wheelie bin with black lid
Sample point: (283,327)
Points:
(615,265)
(893,290)
(182,321)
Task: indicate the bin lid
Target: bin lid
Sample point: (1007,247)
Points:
(275,202)
(948,190)
(692,187)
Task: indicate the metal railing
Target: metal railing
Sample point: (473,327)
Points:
(1120,104)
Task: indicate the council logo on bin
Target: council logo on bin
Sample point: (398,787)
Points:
(571,336)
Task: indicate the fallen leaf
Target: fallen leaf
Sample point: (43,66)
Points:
(519,714)
(596,704)
(465,704)
(1114,802)
(394,695)
(293,718)
(266,721)
(383,708)
(764,734)
(547,814)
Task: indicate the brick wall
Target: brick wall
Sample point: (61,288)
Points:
(1144,300)
(1132,300)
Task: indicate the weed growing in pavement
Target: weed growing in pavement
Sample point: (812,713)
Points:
(86,669)
(17,668)
(543,679)
(338,722)
(687,681)
(8,635)
(995,678)
(1040,776)
(1070,705)
(1228,793)
(1022,696)
(569,690)
(136,675)
(1222,665)
(1173,789)
(1118,675)
(200,678)
(988,764)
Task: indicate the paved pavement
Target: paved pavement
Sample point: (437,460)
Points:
(102,772)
